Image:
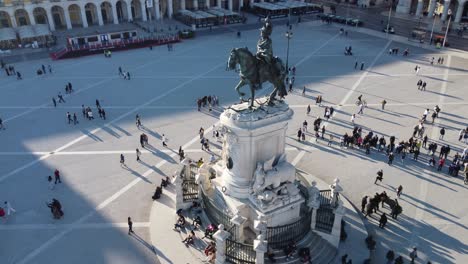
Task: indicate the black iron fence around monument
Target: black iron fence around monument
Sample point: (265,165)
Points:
(281,236)
(239,253)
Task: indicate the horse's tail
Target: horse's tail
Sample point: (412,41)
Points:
(283,72)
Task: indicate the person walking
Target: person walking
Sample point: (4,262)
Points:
(362,66)
(441,164)
(379,176)
(9,208)
(164,140)
(383,220)
(353,116)
(138,121)
(423,87)
(383,104)
(69,118)
(54,101)
(399,191)
(361,109)
(330,141)
(355,65)
(138,153)
(396,210)
(442,133)
(75,119)
(122,160)
(390,158)
(363,204)
(57,176)
(130,225)
(413,255)
(299,134)
(308,110)
(60,97)
(304,91)
(50,68)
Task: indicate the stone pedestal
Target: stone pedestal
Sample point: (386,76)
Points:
(336,231)
(314,203)
(220,237)
(251,136)
(261,247)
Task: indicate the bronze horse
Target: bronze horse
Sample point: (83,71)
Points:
(254,72)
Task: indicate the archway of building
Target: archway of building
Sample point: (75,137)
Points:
(464,17)
(106,11)
(426,4)
(121,7)
(413,6)
(5,20)
(136,10)
(454,4)
(75,15)
(91,14)
(40,15)
(22,17)
(58,15)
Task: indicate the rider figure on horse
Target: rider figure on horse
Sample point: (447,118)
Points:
(265,46)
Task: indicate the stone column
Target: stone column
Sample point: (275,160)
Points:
(218,3)
(83,16)
(403,6)
(169,8)
(230,5)
(432,6)
(207,3)
(143,11)
(239,221)
(129,11)
(114,13)
(220,237)
(13,20)
(99,15)
(50,19)
(336,230)
(261,247)
(182,4)
(67,18)
(419,8)
(195,4)
(313,203)
(459,12)
(30,13)
(157,10)
(446,9)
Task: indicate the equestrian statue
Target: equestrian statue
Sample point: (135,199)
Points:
(259,68)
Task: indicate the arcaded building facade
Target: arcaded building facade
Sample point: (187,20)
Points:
(68,14)
(456,9)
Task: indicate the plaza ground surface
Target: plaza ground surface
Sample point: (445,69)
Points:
(98,195)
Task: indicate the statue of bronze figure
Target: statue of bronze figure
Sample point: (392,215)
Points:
(263,67)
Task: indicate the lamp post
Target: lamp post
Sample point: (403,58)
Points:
(389,16)
(446,31)
(288,35)
(432,29)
